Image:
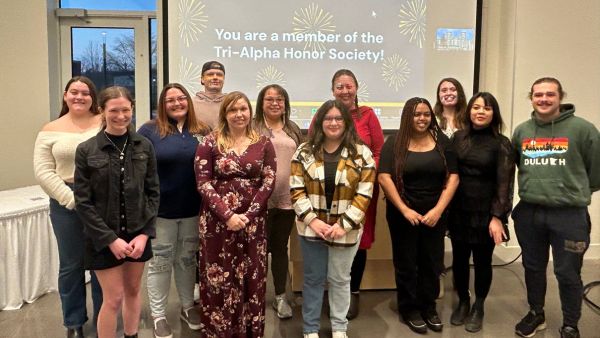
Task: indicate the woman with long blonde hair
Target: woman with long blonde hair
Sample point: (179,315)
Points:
(235,174)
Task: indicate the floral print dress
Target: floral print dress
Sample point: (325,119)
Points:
(233,264)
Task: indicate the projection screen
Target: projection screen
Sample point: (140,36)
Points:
(396,48)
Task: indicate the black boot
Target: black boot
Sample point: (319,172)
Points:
(460,313)
(353,309)
(474,321)
(75,333)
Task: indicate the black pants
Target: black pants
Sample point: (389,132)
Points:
(417,254)
(358,269)
(279,225)
(567,231)
(482,260)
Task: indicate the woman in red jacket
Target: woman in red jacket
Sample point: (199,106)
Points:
(344,86)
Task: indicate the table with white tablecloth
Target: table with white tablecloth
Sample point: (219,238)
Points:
(28,251)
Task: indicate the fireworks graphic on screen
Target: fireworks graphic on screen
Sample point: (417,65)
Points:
(395,71)
(311,20)
(412,20)
(363,92)
(269,75)
(192,20)
(189,75)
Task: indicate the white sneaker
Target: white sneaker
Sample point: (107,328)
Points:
(311,335)
(339,334)
(282,307)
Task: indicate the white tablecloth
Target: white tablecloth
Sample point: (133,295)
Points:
(28,251)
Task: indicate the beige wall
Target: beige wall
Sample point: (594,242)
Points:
(25,86)
(522,40)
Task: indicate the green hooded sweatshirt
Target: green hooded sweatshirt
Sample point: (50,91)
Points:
(558,161)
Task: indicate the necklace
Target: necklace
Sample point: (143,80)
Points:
(121,151)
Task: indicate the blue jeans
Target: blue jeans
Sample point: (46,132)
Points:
(68,230)
(326,263)
(567,231)
(174,249)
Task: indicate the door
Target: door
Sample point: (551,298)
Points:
(113,49)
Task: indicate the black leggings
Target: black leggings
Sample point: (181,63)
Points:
(279,226)
(482,259)
(358,268)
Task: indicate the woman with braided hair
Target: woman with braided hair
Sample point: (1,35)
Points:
(418,175)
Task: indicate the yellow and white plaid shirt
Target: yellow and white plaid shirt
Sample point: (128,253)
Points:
(354,180)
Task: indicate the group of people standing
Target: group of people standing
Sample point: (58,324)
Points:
(210,181)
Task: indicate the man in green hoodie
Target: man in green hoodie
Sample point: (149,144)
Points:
(558,156)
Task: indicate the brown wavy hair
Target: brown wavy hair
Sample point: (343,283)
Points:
(317,137)
(461,104)
(94,107)
(166,128)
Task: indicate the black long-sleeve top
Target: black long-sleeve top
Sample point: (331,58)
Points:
(486,168)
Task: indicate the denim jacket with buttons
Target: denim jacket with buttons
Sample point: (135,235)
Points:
(97,188)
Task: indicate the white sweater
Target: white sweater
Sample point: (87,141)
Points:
(54,162)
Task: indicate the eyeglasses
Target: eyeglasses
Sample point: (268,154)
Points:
(329,119)
(271,100)
(179,99)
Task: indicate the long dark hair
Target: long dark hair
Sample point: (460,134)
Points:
(289,127)
(162,118)
(406,133)
(461,103)
(496,125)
(92,88)
(347,72)
(317,137)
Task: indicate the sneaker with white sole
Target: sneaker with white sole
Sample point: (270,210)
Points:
(339,334)
(311,335)
(530,324)
(191,317)
(162,328)
(282,307)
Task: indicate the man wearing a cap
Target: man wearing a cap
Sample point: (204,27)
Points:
(207,102)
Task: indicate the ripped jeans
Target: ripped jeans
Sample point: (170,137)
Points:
(175,249)
(567,231)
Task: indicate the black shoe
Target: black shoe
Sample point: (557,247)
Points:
(353,309)
(474,320)
(460,313)
(75,333)
(432,320)
(569,332)
(415,322)
(530,324)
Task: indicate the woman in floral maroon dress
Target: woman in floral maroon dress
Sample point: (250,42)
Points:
(235,173)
